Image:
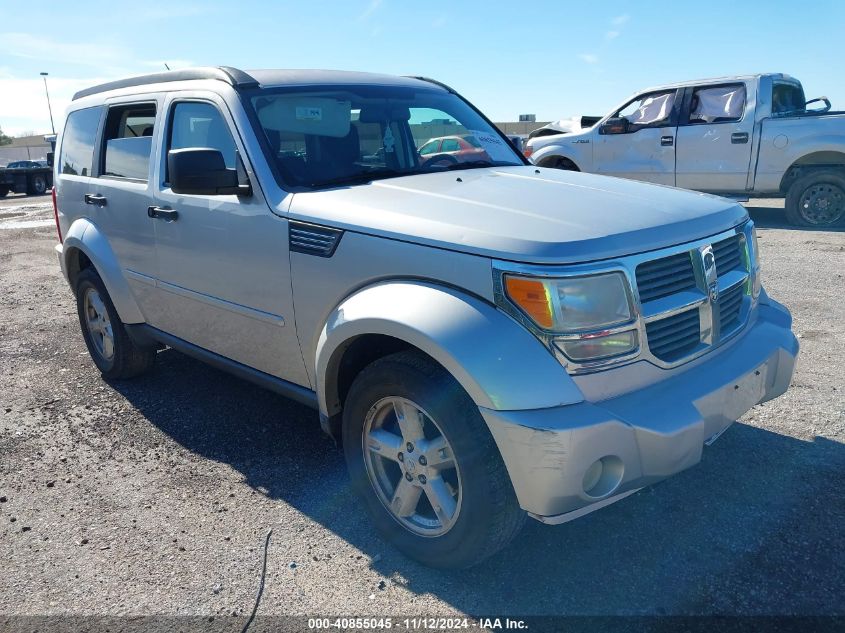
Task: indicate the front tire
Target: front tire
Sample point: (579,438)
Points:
(817,200)
(111,349)
(423,461)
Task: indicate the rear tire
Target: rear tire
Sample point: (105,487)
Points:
(4,191)
(37,185)
(113,352)
(483,514)
(817,200)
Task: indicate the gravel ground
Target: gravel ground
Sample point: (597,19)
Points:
(154,496)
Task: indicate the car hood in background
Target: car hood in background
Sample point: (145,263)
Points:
(524,214)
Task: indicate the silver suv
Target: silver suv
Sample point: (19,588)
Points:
(488,339)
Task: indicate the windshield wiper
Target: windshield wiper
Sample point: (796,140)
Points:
(360,177)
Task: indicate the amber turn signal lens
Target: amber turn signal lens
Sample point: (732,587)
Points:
(531,295)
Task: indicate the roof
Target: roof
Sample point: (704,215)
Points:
(240,79)
(722,80)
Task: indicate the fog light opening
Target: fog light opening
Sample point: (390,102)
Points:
(603,476)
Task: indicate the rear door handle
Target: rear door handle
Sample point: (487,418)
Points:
(162,213)
(738,138)
(96,199)
(667,141)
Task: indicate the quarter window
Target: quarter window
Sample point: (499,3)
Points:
(128,141)
(77,157)
(717,104)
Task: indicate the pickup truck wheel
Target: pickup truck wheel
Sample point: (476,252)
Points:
(110,347)
(561,163)
(422,459)
(38,185)
(817,200)
(4,191)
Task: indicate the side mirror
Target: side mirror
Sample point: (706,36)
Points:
(616,125)
(202,171)
(50,159)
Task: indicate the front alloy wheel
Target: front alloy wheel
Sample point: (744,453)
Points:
(411,466)
(423,461)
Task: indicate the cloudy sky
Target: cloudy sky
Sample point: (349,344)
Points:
(554,59)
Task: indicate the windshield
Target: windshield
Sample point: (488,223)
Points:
(356,134)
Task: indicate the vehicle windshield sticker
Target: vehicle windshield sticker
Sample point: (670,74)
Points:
(494,146)
(309,114)
(389,141)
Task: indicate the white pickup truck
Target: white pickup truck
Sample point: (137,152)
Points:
(748,136)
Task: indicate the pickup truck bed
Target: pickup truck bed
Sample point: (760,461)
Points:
(31,180)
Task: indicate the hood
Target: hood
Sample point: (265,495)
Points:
(524,214)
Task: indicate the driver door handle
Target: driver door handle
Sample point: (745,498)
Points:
(95,199)
(738,138)
(667,141)
(162,213)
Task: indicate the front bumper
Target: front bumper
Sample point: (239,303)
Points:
(644,435)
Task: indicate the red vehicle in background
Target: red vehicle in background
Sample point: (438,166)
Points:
(448,150)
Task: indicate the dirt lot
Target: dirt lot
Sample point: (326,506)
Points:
(154,496)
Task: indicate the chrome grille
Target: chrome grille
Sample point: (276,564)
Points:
(663,277)
(728,254)
(730,305)
(674,337)
(694,297)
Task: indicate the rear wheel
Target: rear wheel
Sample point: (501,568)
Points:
(110,347)
(422,459)
(817,199)
(4,191)
(38,185)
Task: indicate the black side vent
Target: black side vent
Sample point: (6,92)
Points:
(311,239)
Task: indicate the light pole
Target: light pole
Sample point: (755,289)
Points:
(49,108)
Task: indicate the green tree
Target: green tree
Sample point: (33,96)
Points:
(4,140)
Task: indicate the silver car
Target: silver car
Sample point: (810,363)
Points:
(488,339)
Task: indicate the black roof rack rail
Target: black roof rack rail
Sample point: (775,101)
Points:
(433,81)
(232,76)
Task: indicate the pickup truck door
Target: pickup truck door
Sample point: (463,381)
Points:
(224,268)
(644,148)
(714,137)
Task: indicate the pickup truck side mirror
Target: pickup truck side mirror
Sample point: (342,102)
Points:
(202,171)
(615,125)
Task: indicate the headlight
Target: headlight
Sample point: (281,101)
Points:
(581,309)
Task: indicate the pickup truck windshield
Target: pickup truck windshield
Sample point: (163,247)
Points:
(356,134)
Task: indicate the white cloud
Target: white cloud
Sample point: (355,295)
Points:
(27,109)
(611,35)
(372,7)
(588,58)
(619,20)
(94,54)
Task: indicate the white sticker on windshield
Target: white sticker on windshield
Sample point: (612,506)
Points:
(495,147)
(309,114)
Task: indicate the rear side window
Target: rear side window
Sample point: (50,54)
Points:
(717,104)
(787,98)
(128,141)
(80,133)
